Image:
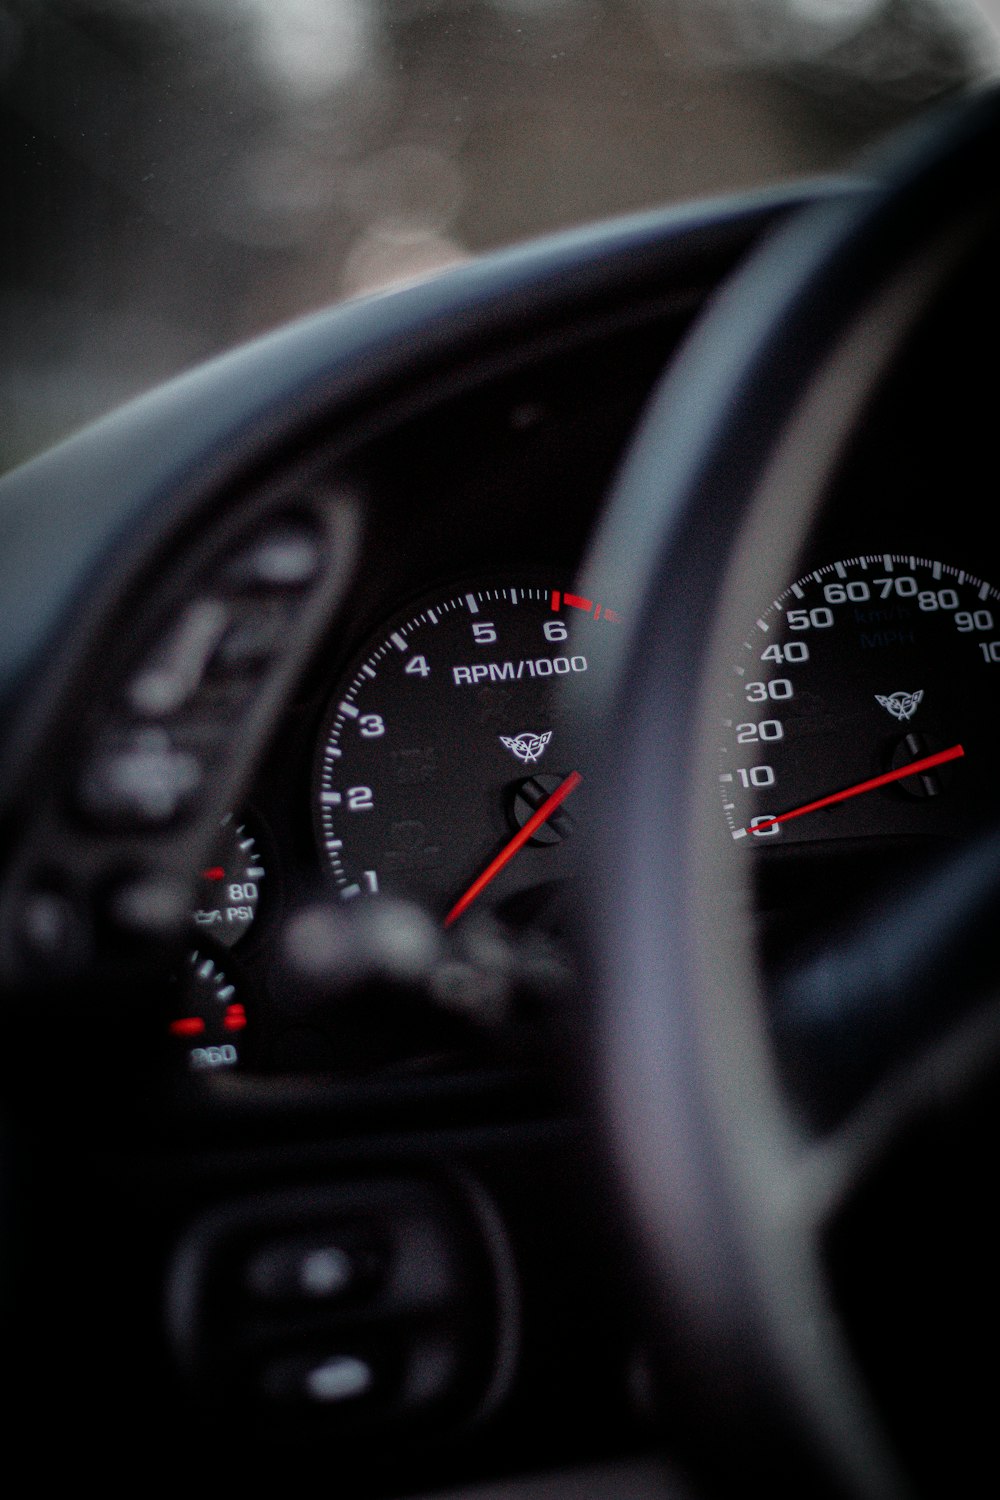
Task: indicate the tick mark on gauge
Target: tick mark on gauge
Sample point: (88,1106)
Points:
(984,592)
(397,641)
(432,617)
(470,600)
(349,892)
(367,671)
(330,799)
(348,709)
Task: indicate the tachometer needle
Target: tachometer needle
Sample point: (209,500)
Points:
(540,816)
(914,768)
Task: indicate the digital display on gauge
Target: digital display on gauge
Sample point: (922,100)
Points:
(864,703)
(445,740)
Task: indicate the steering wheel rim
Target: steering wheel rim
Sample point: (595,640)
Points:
(725,1192)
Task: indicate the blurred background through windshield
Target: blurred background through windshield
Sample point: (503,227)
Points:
(183,174)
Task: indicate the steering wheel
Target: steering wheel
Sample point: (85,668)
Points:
(729,1186)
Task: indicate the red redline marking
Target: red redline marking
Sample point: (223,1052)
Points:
(235,1018)
(915,767)
(215,873)
(556,598)
(576,602)
(540,816)
(187,1026)
(597,612)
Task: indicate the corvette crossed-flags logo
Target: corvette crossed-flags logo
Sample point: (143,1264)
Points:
(902,706)
(527,747)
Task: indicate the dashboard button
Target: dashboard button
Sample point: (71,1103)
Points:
(342,1378)
(314,1269)
(52,931)
(253,637)
(287,557)
(150,906)
(145,781)
(173,674)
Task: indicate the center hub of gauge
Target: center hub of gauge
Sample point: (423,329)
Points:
(527,798)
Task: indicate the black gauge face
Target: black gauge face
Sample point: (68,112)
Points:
(443,745)
(866,703)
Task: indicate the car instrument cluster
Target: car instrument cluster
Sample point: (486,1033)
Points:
(443,770)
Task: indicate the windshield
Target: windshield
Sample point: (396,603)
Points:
(183,174)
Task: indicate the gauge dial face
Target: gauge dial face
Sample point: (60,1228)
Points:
(444,740)
(865,703)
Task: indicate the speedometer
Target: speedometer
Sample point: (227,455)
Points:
(865,702)
(444,769)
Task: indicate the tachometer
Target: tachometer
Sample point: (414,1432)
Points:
(444,743)
(866,701)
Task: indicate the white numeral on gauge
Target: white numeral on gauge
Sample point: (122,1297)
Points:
(777,688)
(794,651)
(980,619)
(767,729)
(819,618)
(756,776)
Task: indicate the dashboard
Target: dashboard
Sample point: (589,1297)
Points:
(305,662)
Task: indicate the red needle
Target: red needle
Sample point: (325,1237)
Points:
(913,769)
(540,816)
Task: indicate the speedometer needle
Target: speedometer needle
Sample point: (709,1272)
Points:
(540,816)
(914,768)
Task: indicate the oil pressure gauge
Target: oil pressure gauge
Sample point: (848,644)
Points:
(229,888)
